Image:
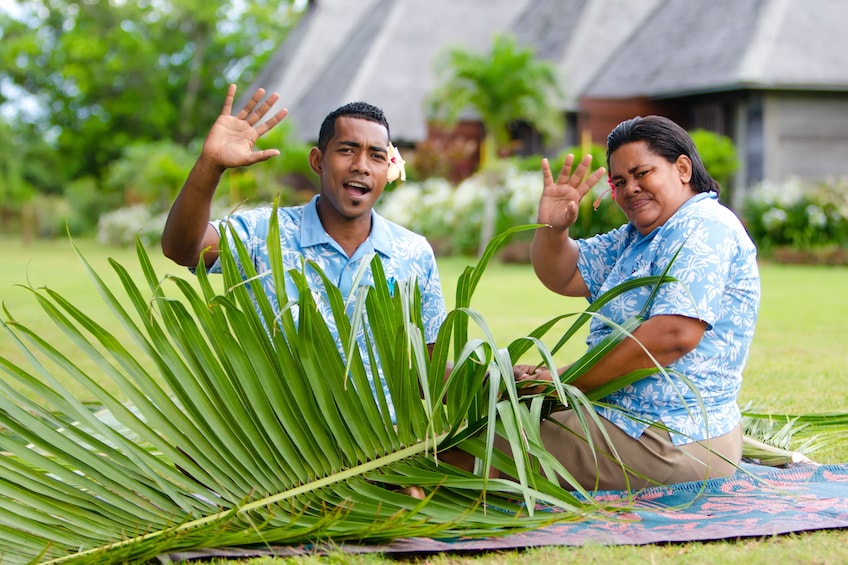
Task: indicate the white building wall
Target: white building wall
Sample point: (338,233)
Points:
(806,135)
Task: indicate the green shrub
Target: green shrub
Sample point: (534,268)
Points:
(48,214)
(141,186)
(718,154)
(287,176)
(149,174)
(86,202)
(533,163)
(797,215)
(120,227)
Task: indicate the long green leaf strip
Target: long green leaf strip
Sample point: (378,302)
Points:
(240,419)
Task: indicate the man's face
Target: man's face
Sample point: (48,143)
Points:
(352,168)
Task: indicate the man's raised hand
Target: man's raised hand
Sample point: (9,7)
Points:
(232,138)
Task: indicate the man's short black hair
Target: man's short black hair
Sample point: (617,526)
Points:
(361,110)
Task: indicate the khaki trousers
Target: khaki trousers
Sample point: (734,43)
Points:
(651,460)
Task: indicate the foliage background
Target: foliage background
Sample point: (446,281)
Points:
(83,83)
(103,106)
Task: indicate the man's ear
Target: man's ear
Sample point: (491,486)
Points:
(315,158)
(684,168)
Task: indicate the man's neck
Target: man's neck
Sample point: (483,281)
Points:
(349,233)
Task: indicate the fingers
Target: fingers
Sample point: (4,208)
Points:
(547,177)
(253,111)
(565,172)
(520,371)
(582,167)
(580,179)
(272,121)
(247,110)
(529,379)
(593,179)
(228,101)
(529,372)
(260,112)
(264,155)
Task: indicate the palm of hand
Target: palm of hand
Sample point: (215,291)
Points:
(560,201)
(230,142)
(559,205)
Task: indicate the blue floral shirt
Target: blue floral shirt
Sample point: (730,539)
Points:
(719,284)
(405,255)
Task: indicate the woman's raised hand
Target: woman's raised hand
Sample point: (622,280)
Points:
(560,202)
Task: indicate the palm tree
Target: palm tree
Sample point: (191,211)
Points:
(503,86)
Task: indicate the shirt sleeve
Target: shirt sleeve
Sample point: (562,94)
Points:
(700,251)
(598,255)
(433,309)
(249,227)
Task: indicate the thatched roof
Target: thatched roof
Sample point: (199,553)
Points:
(383,51)
(691,46)
(379,51)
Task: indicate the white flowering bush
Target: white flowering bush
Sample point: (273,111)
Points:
(451,216)
(434,208)
(120,227)
(798,215)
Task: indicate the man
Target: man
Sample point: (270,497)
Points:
(338,229)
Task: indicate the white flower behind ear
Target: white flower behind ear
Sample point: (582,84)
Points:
(396,164)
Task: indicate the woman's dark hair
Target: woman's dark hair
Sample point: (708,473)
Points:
(666,139)
(361,110)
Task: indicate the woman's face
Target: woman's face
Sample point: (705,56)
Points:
(647,187)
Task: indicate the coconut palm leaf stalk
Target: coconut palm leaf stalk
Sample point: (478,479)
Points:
(779,439)
(240,424)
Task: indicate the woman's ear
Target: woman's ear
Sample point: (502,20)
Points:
(315,157)
(684,168)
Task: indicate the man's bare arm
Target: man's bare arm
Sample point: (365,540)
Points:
(229,143)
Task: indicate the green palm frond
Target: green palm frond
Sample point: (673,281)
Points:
(240,423)
(778,439)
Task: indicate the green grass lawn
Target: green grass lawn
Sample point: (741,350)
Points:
(797,364)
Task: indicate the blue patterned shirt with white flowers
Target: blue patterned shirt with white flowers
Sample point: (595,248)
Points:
(405,256)
(718,283)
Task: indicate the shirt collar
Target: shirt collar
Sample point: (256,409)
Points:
(695,198)
(312,231)
(700,196)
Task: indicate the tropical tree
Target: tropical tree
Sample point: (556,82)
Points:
(98,75)
(504,86)
(14,191)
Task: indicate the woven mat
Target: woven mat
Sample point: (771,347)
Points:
(763,501)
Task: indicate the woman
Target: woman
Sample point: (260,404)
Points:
(701,327)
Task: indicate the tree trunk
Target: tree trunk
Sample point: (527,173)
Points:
(491,193)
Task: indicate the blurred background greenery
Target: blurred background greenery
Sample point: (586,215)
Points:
(103,107)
